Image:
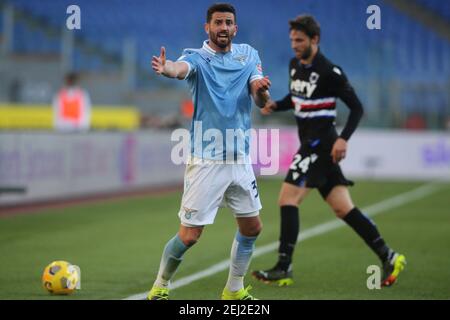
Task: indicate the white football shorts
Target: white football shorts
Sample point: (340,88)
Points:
(209,185)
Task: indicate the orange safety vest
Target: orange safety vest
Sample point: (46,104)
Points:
(71,106)
(187,108)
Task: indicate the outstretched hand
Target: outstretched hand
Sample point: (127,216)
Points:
(269,107)
(158,63)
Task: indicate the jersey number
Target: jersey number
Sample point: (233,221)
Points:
(255,188)
(303,165)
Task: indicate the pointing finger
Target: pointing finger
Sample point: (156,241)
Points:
(163,55)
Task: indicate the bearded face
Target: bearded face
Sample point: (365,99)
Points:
(301,44)
(221,29)
(222,39)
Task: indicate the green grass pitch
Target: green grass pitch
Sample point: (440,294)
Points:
(118,244)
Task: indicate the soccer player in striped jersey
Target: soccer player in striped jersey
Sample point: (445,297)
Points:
(315,84)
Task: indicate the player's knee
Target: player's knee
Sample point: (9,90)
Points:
(190,240)
(252,230)
(286,200)
(191,237)
(341,212)
(257,229)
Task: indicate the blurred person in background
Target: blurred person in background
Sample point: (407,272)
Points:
(315,84)
(72,106)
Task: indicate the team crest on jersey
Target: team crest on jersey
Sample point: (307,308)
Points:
(188,212)
(241,59)
(313,77)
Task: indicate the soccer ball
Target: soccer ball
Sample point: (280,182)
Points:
(61,277)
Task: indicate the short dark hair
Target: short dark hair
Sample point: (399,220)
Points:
(220,7)
(71,78)
(307,24)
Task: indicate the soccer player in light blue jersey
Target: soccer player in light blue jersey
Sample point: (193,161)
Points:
(223,77)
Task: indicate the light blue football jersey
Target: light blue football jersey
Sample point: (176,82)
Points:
(220,88)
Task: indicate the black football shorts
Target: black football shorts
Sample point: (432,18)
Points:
(313,167)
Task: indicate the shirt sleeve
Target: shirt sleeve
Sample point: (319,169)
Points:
(285,103)
(343,90)
(257,72)
(189,58)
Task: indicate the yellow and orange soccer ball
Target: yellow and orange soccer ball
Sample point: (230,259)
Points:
(61,278)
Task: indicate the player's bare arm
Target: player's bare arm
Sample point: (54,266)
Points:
(260,91)
(168,68)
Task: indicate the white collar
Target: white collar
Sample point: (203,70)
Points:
(208,49)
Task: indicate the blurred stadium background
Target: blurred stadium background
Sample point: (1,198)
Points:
(400,72)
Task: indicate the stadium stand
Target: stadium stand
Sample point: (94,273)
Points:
(437,6)
(403,51)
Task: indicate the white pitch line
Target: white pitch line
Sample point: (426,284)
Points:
(372,210)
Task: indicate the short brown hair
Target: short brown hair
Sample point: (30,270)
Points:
(71,78)
(307,24)
(220,7)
